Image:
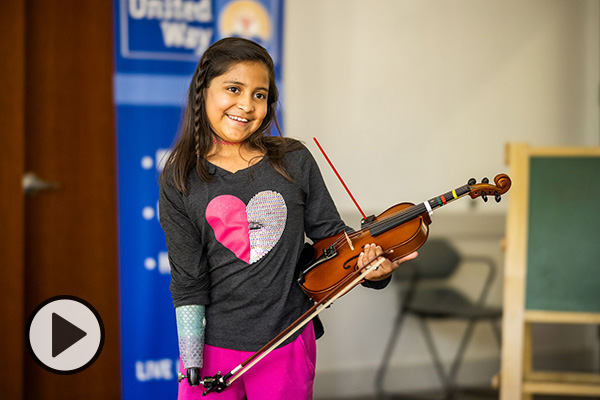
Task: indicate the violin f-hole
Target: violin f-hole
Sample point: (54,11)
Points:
(347,265)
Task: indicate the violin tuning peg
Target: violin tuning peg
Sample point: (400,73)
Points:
(484,197)
(472,181)
(485,180)
(497,197)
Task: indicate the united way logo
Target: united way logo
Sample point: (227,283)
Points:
(179,30)
(245,18)
(252,19)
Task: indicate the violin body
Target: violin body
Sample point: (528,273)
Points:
(323,275)
(399,231)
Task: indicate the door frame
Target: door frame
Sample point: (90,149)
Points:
(12,165)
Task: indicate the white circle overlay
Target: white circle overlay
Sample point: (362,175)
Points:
(81,352)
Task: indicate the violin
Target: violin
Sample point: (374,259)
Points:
(333,267)
(399,230)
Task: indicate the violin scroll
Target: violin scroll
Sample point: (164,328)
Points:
(502,184)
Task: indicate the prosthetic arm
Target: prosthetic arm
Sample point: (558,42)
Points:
(190,330)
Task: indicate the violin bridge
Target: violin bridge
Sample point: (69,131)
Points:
(349,241)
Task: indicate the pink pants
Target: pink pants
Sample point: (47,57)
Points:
(285,373)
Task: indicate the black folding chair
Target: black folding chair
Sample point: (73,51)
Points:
(438,260)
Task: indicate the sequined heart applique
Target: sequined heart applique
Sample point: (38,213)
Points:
(249,231)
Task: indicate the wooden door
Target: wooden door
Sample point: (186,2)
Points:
(69,243)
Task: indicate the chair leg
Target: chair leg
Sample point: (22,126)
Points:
(389,349)
(460,353)
(434,354)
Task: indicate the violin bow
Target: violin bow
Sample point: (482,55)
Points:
(220,382)
(340,178)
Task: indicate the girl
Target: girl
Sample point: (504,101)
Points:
(235,204)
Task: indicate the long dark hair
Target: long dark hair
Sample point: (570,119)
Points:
(196,136)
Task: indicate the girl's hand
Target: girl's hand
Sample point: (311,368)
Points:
(386,267)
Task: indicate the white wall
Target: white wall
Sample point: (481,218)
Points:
(424,94)
(412,98)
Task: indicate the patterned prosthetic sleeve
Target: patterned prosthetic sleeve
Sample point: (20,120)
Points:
(190,329)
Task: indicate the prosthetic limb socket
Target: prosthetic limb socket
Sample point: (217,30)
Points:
(190,330)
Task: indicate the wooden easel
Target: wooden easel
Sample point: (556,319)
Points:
(518,380)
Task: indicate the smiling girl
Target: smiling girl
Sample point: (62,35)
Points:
(235,206)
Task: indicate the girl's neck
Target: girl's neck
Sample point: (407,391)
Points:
(225,150)
(233,158)
(219,141)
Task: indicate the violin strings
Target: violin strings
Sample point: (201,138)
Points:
(340,241)
(409,213)
(406,214)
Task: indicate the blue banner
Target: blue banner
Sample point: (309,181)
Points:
(158,44)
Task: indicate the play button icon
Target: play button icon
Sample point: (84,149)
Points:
(65,334)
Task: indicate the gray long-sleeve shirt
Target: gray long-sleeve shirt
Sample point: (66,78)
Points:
(234,243)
